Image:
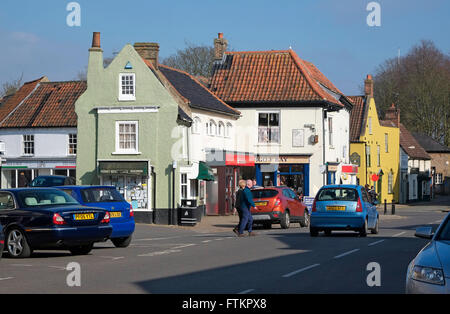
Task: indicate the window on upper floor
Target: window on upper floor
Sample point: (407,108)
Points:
(370,125)
(28,145)
(386,142)
(221,129)
(269,127)
(330,131)
(72,149)
(127,87)
(196,125)
(127,137)
(378,156)
(211,127)
(228,129)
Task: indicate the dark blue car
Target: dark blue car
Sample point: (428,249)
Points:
(47,218)
(107,197)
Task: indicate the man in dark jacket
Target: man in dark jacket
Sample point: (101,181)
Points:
(237,204)
(246,205)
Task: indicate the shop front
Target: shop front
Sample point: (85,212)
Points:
(131,178)
(17,173)
(227,167)
(288,170)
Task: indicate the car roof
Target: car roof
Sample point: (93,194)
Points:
(55,176)
(350,186)
(84,186)
(29,189)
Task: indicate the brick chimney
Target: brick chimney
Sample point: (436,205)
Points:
(95,65)
(368,86)
(393,114)
(149,52)
(220,46)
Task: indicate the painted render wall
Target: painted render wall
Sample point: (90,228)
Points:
(96,132)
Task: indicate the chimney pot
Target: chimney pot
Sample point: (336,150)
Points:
(96,40)
(220,35)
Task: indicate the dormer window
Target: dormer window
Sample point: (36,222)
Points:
(127,87)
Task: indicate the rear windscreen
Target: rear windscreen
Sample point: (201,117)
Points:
(338,194)
(99,195)
(264,193)
(47,181)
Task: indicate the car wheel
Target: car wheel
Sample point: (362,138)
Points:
(121,242)
(376,229)
(305,221)
(285,220)
(363,231)
(313,232)
(16,244)
(81,249)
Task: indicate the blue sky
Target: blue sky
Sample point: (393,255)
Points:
(333,34)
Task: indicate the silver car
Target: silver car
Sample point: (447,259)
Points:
(429,271)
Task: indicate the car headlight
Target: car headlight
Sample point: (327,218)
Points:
(428,274)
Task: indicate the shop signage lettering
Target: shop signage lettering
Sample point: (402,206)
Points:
(281,159)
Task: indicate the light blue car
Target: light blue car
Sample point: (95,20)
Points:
(343,207)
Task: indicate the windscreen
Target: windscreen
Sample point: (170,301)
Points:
(338,194)
(99,195)
(444,234)
(264,193)
(47,181)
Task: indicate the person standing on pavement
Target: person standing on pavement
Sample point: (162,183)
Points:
(246,205)
(237,204)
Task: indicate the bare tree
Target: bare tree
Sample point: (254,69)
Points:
(195,60)
(9,88)
(419,84)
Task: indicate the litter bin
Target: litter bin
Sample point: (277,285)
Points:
(186,213)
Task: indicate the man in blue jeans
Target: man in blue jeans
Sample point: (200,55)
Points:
(246,205)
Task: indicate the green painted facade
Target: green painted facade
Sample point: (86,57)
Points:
(97,130)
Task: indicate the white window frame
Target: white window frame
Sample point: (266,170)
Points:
(268,142)
(370,125)
(211,131)
(69,143)
(196,126)
(390,183)
(126,151)
(184,184)
(386,142)
(28,141)
(220,129)
(127,97)
(378,155)
(330,132)
(228,129)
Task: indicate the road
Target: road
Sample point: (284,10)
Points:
(163,259)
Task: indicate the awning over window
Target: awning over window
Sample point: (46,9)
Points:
(205,172)
(123,167)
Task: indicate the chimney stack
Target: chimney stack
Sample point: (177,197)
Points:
(368,86)
(149,52)
(393,114)
(220,46)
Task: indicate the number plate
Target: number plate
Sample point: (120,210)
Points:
(115,214)
(260,203)
(83,216)
(341,208)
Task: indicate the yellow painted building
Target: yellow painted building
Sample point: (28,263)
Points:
(374,147)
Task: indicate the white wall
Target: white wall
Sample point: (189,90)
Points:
(47,142)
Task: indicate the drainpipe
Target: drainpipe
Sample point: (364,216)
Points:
(324,116)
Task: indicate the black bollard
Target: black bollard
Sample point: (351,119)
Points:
(385,206)
(393,208)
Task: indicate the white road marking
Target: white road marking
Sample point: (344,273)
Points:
(376,242)
(346,253)
(219,239)
(438,221)
(22,265)
(206,241)
(300,270)
(113,257)
(183,246)
(159,253)
(246,291)
(154,239)
(398,234)
(7,278)
(58,267)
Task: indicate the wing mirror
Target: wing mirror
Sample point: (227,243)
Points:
(424,232)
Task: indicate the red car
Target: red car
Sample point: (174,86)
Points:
(278,205)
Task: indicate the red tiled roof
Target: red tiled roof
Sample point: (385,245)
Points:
(266,76)
(410,145)
(52,104)
(13,101)
(356,116)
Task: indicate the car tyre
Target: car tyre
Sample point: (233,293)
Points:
(313,232)
(305,221)
(376,229)
(285,220)
(363,230)
(81,249)
(17,244)
(121,242)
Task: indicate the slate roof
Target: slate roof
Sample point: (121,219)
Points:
(195,92)
(51,104)
(357,116)
(271,76)
(429,144)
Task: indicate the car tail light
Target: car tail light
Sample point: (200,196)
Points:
(131,211)
(359,206)
(314,209)
(105,219)
(2,242)
(58,220)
